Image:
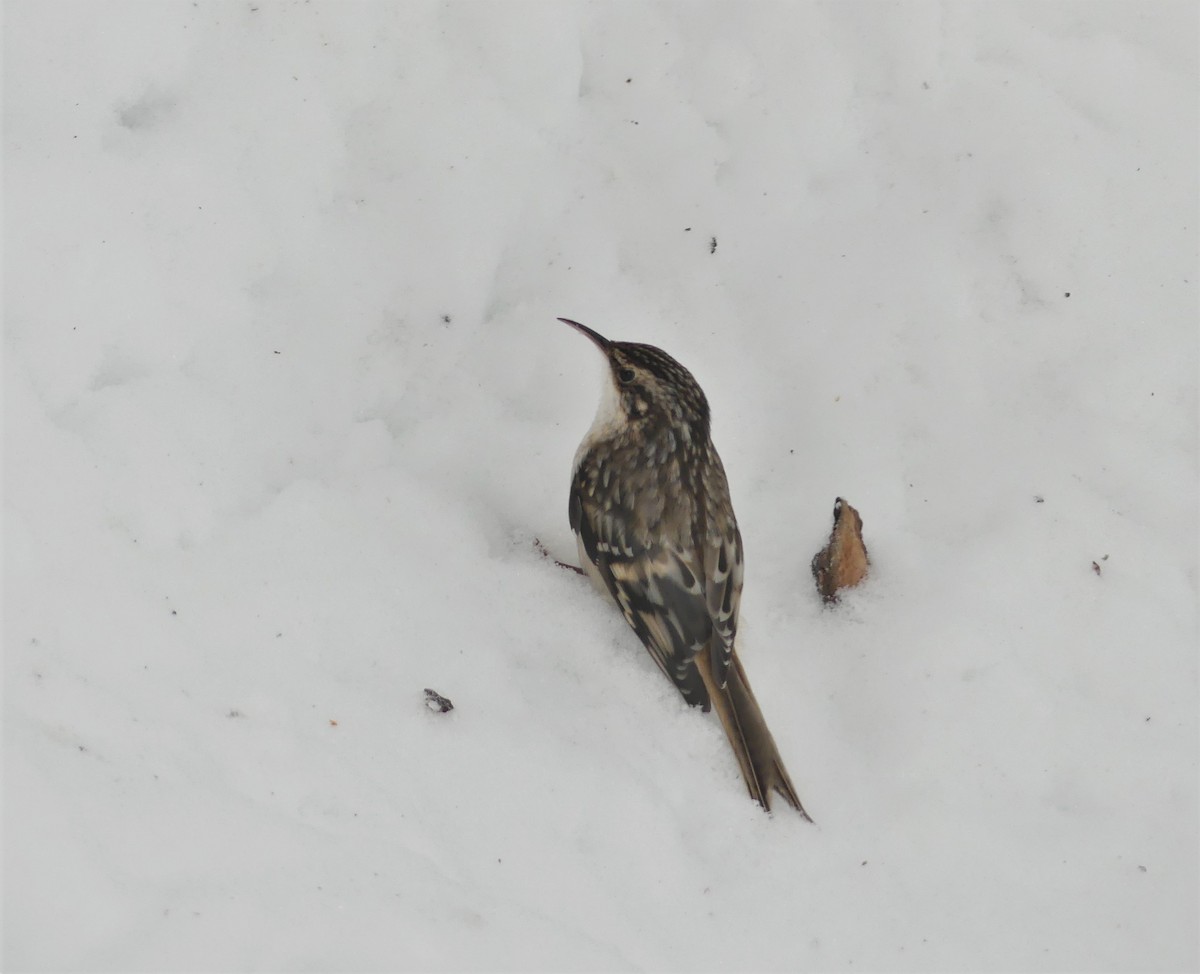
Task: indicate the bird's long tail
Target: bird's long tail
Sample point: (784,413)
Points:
(744,724)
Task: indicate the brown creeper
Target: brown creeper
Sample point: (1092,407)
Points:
(651,513)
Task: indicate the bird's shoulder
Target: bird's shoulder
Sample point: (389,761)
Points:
(633,502)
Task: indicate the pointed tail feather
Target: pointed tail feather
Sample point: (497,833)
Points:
(751,739)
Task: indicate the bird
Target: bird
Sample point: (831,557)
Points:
(654,523)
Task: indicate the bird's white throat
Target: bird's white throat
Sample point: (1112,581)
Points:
(610,418)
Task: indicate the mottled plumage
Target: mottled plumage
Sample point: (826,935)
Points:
(656,530)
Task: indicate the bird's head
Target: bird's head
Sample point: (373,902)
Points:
(648,386)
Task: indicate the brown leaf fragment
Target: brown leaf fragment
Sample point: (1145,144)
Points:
(843,562)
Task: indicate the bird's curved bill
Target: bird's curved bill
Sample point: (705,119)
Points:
(601,342)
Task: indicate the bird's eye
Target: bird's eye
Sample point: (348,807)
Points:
(625,375)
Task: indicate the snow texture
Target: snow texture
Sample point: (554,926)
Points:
(287,412)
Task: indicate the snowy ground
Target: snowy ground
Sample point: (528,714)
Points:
(286,406)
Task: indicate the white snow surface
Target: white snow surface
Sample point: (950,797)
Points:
(287,413)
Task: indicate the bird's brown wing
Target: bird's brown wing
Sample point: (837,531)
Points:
(723,595)
(684,607)
(658,587)
(721,555)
